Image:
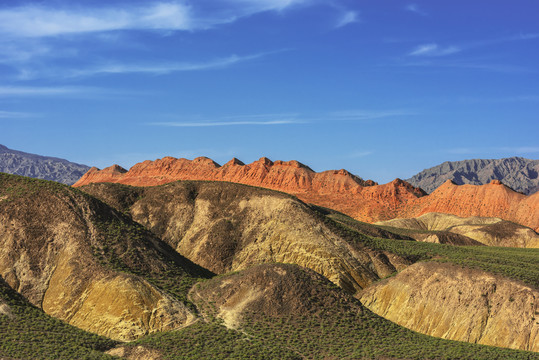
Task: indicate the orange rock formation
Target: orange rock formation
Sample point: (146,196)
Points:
(336,189)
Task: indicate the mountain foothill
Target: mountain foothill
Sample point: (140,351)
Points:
(188,259)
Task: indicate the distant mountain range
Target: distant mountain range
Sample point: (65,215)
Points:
(41,167)
(518,173)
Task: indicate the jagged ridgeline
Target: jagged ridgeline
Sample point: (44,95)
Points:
(133,266)
(41,167)
(518,173)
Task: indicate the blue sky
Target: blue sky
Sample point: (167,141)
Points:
(384,89)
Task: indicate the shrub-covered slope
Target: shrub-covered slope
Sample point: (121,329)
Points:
(82,261)
(282,311)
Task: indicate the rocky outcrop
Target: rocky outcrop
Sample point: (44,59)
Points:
(63,251)
(457,303)
(518,173)
(41,167)
(485,230)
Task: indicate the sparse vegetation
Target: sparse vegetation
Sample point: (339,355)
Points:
(213,341)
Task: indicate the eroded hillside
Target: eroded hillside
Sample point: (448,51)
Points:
(228,227)
(85,263)
(452,302)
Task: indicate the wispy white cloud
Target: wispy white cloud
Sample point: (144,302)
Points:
(224,123)
(348,17)
(180,15)
(41,91)
(124,68)
(476,65)
(249,7)
(64,91)
(415,9)
(434,50)
(358,115)
(41,21)
(157,69)
(283,119)
(360,154)
(14,115)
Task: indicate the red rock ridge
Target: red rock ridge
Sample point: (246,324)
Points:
(290,176)
(490,200)
(336,189)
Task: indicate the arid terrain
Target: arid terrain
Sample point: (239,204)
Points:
(141,265)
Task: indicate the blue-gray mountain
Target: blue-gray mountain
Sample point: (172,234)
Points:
(518,173)
(41,167)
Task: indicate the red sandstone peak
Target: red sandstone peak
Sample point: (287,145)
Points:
(264,161)
(114,169)
(206,161)
(342,172)
(234,161)
(370,183)
(292,163)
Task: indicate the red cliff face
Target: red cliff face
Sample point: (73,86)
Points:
(336,189)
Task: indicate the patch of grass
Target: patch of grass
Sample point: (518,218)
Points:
(365,336)
(212,341)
